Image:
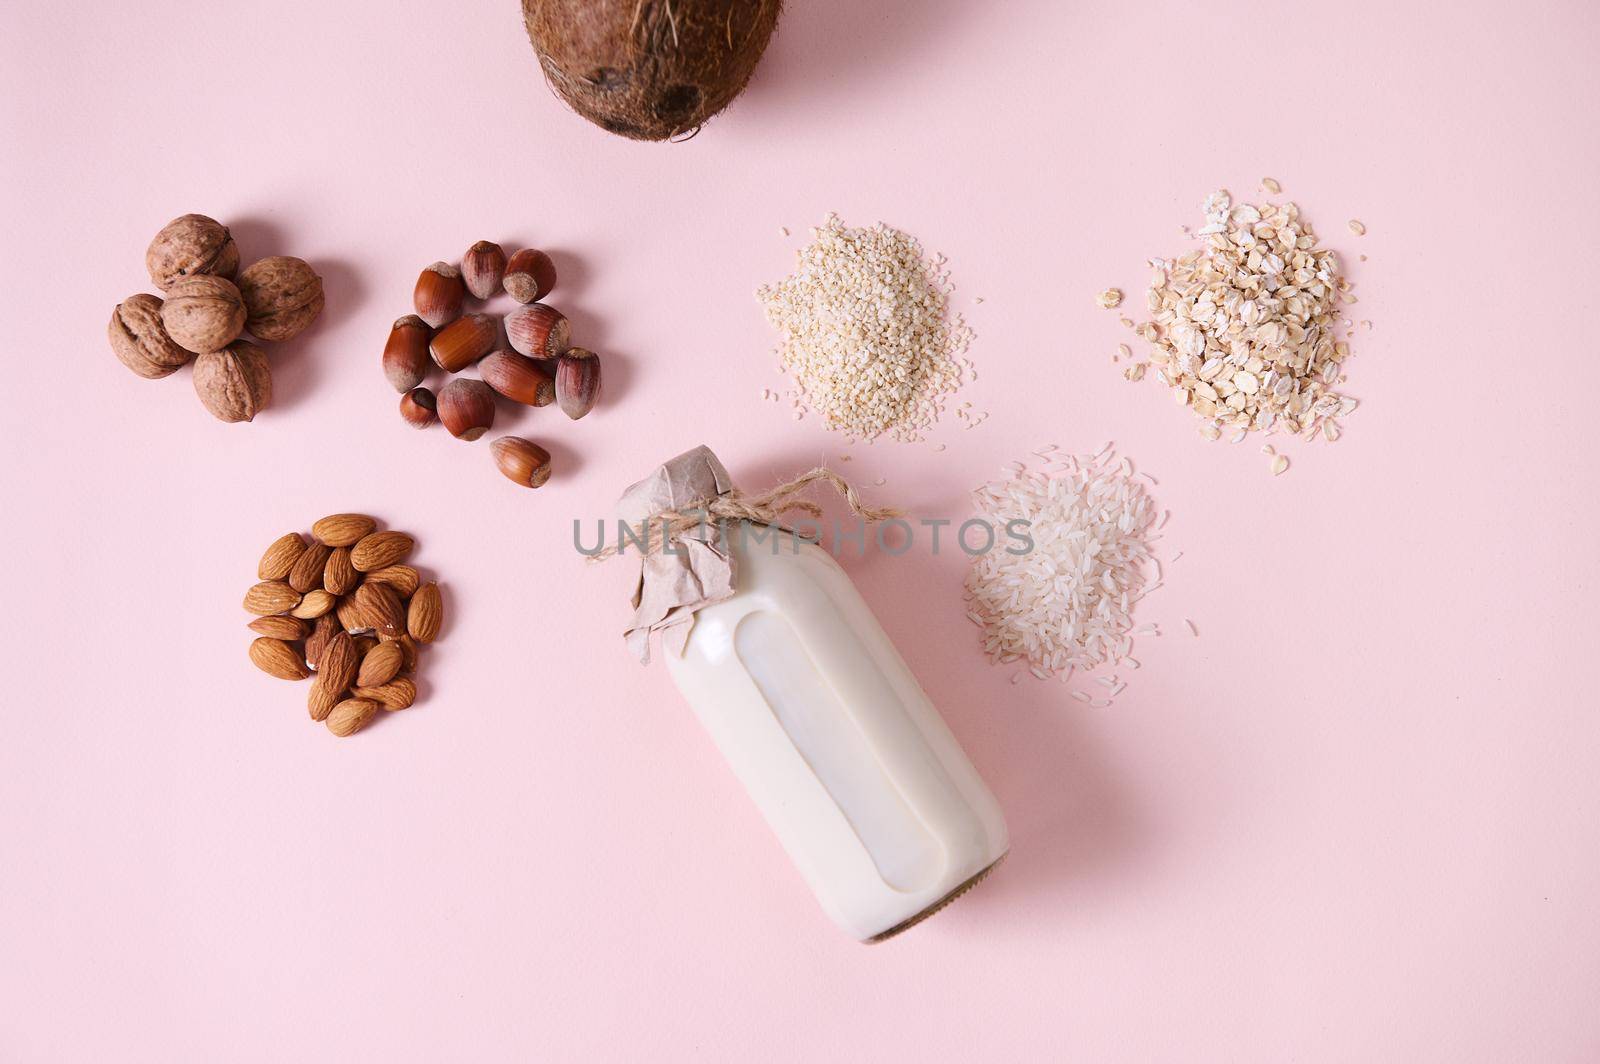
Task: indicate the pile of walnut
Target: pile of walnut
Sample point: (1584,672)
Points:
(345,607)
(541,368)
(209,304)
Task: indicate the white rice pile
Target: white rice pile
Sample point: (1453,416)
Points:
(1068,603)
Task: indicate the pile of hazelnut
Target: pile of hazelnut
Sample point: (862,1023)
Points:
(209,304)
(541,368)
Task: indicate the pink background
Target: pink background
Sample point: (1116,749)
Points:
(1356,819)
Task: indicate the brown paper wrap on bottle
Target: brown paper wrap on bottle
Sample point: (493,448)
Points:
(698,569)
(680,514)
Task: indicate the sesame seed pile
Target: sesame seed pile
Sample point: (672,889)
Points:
(866,333)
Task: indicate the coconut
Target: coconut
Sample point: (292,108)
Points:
(649,69)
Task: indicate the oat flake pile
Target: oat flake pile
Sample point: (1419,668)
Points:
(1244,329)
(866,333)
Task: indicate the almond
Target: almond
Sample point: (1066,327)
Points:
(307,572)
(334,676)
(398,693)
(364,645)
(269,597)
(338,575)
(380,665)
(314,605)
(351,619)
(281,556)
(408,653)
(277,658)
(425,614)
(351,715)
(343,530)
(380,609)
(317,641)
(288,629)
(402,578)
(379,550)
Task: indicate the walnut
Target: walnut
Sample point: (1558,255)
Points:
(192,244)
(235,384)
(140,340)
(282,295)
(203,313)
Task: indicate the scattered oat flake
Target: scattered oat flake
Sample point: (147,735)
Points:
(1357,228)
(783,230)
(1271,185)
(878,483)
(1279,464)
(1111,297)
(1192,629)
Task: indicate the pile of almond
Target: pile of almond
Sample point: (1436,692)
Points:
(540,367)
(346,608)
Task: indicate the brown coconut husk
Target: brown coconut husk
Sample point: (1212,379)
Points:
(649,69)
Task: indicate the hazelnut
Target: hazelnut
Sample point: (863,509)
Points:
(521,461)
(282,295)
(529,275)
(439,293)
(203,313)
(464,341)
(192,244)
(518,378)
(140,340)
(577,382)
(405,356)
(466,407)
(538,331)
(235,383)
(419,408)
(482,268)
